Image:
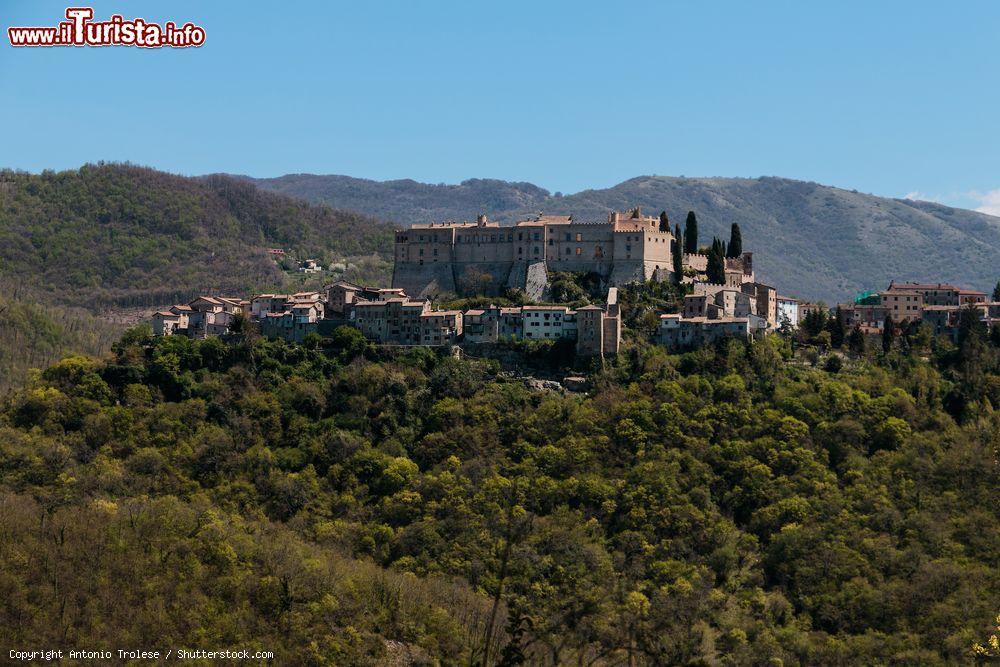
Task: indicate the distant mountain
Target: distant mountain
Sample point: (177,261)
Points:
(407,201)
(809,240)
(116,235)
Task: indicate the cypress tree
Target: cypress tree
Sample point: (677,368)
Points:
(678,260)
(996,292)
(664,222)
(856,341)
(716,269)
(835,325)
(735,241)
(888,333)
(691,233)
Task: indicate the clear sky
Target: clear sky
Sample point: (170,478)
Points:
(894,98)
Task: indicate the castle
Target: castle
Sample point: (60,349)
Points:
(487,258)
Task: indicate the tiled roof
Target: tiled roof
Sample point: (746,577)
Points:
(922,286)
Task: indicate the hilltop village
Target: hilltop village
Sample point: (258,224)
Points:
(721,295)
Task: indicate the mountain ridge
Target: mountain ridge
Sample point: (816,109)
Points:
(830,243)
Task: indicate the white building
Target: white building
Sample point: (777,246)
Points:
(548,322)
(788,311)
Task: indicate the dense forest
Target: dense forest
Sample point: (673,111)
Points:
(121,235)
(342,504)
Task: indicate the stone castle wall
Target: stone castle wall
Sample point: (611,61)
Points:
(485,258)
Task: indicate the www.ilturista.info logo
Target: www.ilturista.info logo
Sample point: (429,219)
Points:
(80,30)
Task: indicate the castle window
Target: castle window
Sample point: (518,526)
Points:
(569,237)
(579,251)
(520,251)
(579,237)
(520,236)
(510,237)
(550,241)
(567,251)
(536,250)
(537,236)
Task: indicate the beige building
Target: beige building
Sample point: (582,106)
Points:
(902,304)
(681,332)
(940,294)
(440,327)
(599,330)
(485,257)
(482,325)
(397,320)
(341,295)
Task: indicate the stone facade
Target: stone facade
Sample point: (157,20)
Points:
(485,257)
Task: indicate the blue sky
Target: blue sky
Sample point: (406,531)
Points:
(893,98)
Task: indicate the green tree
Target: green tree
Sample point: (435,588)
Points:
(857,342)
(735,248)
(691,233)
(996,292)
(716,267)
(677,259)
(835,325)
(888,333)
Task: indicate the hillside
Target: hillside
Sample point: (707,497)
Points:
(812,241)
(407,201)
(34,335)
(116,235)
(354,505)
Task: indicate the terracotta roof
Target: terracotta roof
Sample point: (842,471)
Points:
(921,286)
(561,308)
(343,283)
(475,312)
(450,225)
(434,313)
(166,313)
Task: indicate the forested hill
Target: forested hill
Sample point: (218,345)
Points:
(811,240)
(354,505)
(123,235)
